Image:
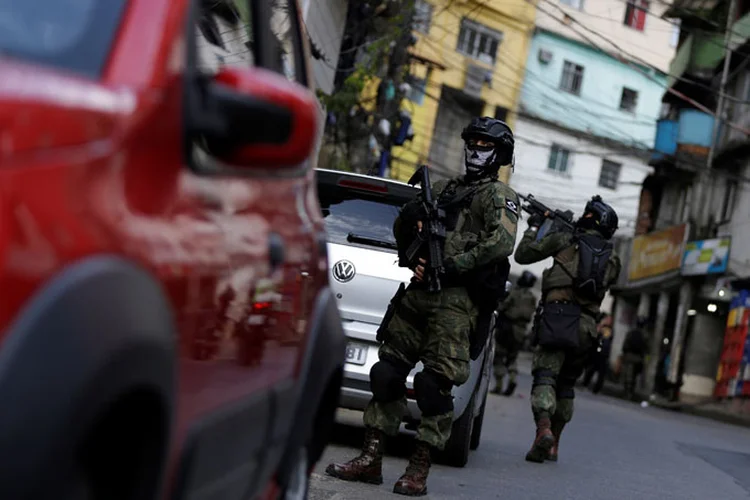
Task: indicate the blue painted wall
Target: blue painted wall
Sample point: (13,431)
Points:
(666,139)
(596,109)
(695,128)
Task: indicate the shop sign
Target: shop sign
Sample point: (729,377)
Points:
(706,256)
(657,253)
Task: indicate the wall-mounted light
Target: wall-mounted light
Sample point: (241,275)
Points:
(722,292)
(692,312)
(711,308)
(666,341)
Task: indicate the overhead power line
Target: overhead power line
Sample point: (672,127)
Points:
(633,56)
(670,90)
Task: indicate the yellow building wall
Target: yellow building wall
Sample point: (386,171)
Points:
(515,19)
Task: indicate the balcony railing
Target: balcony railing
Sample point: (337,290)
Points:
(689,135)
(666,140)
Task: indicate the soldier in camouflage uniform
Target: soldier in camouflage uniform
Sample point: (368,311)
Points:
(514,315)
(634,350)
(435,328)
(555,368)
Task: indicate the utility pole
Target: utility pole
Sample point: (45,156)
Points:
(704,193)
(389,93)
(708,188)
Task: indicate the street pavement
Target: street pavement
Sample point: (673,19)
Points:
(612,450)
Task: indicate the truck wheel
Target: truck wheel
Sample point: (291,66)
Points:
(299,481)
(456,452)
(476,433)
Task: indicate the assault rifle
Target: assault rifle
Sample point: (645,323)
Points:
(432,235)
(559,220)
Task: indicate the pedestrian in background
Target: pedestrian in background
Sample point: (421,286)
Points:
(634,351)
(514,315)
(599,366)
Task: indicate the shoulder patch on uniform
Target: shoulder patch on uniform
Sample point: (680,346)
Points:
(511,206)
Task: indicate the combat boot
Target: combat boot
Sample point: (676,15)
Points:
(510,389)
(414,481)
(368,466)
(543,442)
(498,386)
(557,428)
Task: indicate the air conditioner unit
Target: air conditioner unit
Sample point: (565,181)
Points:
(545,56)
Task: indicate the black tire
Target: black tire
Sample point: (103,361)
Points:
(476,432)
(456,452)
(299,481)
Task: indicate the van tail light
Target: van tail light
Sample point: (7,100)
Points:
(410,394)
(372,186)
(261,306)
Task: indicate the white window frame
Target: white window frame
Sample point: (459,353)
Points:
(637,5)
(557,165)
(470,46)
(569,73)
(606,174)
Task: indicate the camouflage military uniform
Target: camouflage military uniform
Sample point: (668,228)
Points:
(556,371)
(634,350)
(518,309)
(435,328)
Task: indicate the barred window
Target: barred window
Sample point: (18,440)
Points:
(558,158)
(610,174)
(572,78)
(478,41)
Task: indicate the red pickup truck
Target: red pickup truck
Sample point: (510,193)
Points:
(157,210)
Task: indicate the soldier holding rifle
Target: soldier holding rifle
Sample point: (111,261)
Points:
(456,236)
(584,267)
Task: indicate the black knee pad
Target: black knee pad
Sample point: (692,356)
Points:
(566,383)
(565,392)
(429,387)
(388,380)
(544,377)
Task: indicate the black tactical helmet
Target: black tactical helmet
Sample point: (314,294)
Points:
(604,217)
(497,131)
(527,279)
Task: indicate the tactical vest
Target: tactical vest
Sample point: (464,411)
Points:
(464,214)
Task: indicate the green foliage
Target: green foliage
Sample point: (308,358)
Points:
(371,66)
(348,95)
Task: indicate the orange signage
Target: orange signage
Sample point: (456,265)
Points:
(656,253)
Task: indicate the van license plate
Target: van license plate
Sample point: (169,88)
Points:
(356,353)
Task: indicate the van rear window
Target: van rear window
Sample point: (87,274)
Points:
(350,219)
(74,35)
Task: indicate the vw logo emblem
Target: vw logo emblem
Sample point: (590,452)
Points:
(343,271)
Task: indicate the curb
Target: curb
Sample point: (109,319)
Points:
(698,410)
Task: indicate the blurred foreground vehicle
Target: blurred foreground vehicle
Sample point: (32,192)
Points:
(167,326)
(359,212)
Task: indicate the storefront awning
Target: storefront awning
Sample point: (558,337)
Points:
(655,284)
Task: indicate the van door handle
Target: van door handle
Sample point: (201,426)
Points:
(275,250)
